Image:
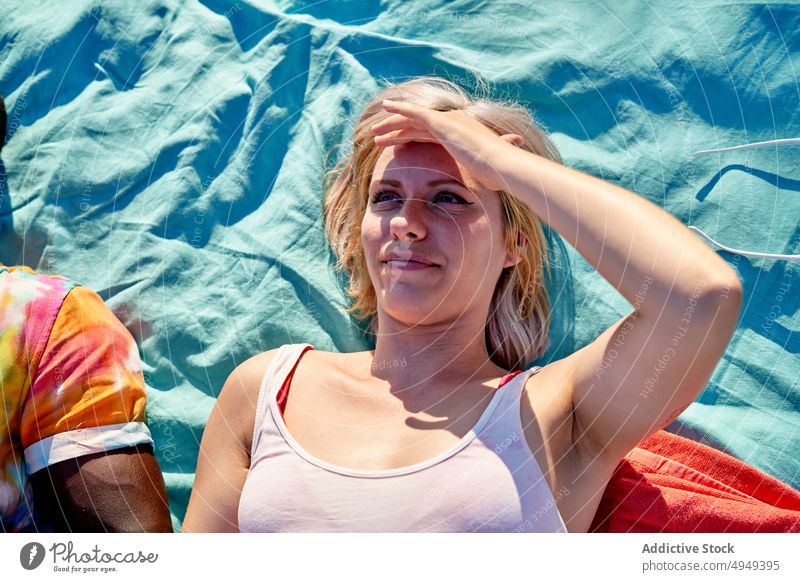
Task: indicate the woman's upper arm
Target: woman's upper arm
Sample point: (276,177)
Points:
(639,374)
(224,459)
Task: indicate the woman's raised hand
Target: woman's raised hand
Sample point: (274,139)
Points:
(467,140)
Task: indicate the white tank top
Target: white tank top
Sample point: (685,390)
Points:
(488,482)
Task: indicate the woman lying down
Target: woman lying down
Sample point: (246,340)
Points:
(436,219)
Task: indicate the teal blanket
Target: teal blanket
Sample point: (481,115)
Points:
(169,155)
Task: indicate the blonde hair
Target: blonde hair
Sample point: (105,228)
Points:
(517,326)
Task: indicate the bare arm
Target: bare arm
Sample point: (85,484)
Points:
(645,369)
(627,238)
(118,491)
(224,459)
(82,426)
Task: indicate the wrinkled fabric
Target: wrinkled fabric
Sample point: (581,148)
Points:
(170,155)
(672,484)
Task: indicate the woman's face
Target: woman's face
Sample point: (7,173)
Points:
(432,236)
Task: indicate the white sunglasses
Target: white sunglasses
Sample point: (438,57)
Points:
(760,144)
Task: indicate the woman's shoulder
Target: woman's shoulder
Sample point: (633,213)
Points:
(239,394)
(244,382)
(238,399)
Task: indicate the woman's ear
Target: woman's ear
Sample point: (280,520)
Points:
(513,139)
(512,258)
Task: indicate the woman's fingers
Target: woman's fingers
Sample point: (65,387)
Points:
(405,115)
(402,136)
(393,123)
(407,109)
(468,141)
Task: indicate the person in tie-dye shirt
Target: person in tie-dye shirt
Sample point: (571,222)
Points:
(75,453)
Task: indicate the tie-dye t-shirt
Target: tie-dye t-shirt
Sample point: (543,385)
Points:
(70,383)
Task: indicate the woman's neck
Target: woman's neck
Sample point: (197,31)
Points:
(426,356)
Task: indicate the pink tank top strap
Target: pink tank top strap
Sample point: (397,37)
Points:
(508,377)
(280,368)
(283,393)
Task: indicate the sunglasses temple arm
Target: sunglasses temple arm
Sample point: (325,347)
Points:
(759,144)
(795,258)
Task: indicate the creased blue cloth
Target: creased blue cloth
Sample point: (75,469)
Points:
(170,155)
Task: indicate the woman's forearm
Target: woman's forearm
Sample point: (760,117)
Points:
(628,239)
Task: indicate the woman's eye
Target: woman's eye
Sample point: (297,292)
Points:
(450,198)
(383,197)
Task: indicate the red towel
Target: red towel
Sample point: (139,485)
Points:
(673,484)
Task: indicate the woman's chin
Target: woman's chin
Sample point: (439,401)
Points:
(408,308)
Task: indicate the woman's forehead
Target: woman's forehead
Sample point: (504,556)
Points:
(417,162)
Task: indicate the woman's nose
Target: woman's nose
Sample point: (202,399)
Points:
(410,222)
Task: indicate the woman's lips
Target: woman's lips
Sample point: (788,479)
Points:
(407,265)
